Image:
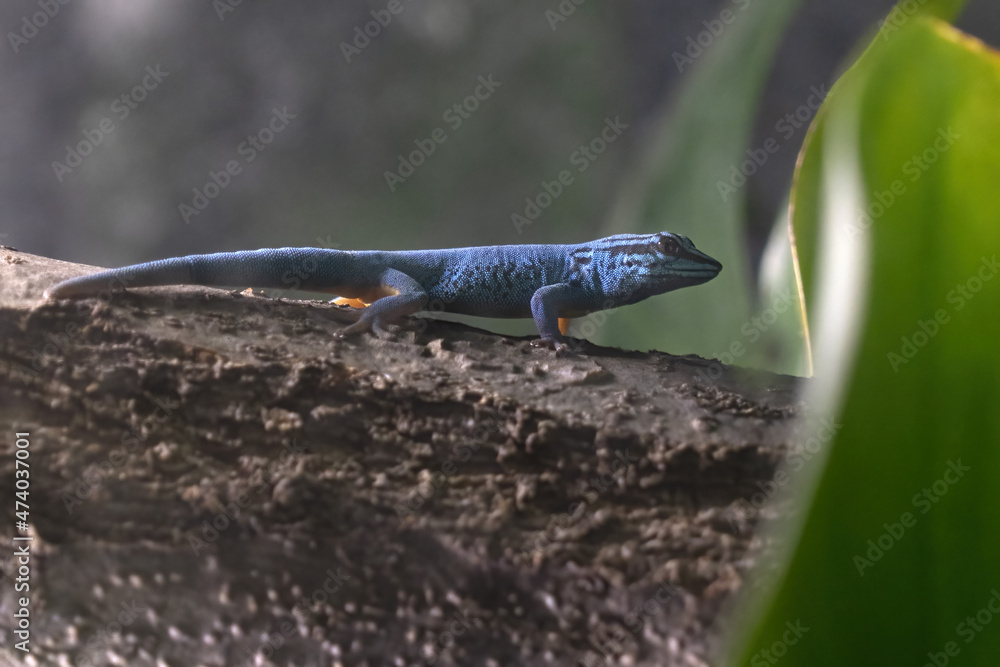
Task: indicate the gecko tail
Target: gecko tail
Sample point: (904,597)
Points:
(176,271)
(287,268)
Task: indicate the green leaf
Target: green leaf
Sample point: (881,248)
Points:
(787,338)
(946,10)
(699,139)
(896,229)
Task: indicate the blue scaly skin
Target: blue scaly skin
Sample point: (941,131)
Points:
(546,282)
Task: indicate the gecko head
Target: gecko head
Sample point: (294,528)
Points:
(641,265)
(676,259)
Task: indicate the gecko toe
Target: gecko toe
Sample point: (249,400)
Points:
(384,332)
(559,347)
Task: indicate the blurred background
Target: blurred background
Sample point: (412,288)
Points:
(120,118)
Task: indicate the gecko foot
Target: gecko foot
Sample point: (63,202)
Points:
(559,347)
(382,330)
(351,330)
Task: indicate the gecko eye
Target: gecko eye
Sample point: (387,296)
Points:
(668,245)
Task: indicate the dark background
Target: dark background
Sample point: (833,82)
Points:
(321,181)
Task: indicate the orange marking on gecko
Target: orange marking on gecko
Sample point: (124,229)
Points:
(359,297)
(353,303)
(564,325)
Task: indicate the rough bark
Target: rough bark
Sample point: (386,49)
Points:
(215,479)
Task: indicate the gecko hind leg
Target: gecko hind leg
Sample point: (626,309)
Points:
(410,298)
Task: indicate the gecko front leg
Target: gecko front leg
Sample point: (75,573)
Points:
(546,304)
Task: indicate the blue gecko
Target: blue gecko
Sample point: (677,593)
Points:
(546,282)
